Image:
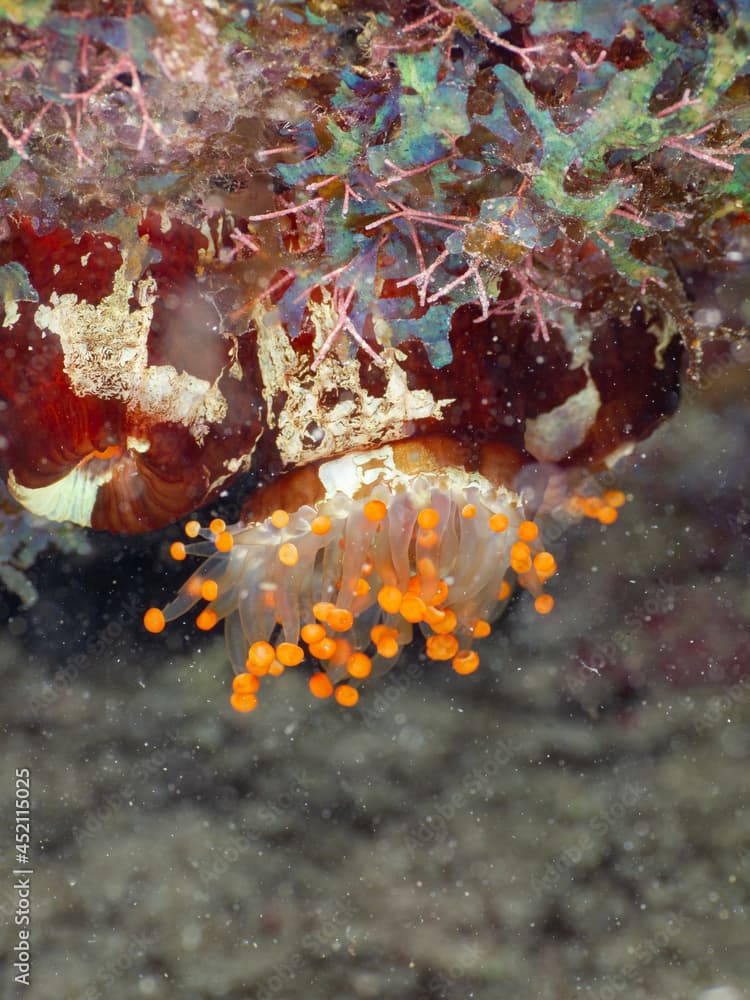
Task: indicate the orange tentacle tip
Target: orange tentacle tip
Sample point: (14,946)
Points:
(614,498)
(279,518)
(520,557)
(428,519)
(413,608)
(527,531)
(288,554)
(378,632)
(340,619)
(260,657)
(446,624)
(545,564)
(390,598)
(346,695)
(388,647)
(433,616)
(154,620)
(359,665)
(323,649)
(290,654)
(312,633)
(320,685)
(206,620)
(441,647)
(224,541)
(481,629)
(320,525)
(544,604)
(591,506)
(245,684)
(243,702)
(465,661)
(178,551)
(375,510)
(322,610)
(498,522)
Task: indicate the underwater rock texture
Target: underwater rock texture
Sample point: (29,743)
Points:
(570,821)
(258,235)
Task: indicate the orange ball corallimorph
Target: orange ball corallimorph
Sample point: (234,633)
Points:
(394,539)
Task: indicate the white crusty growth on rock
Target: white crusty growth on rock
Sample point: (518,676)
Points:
(105,354)
(329,412)
(105,349)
